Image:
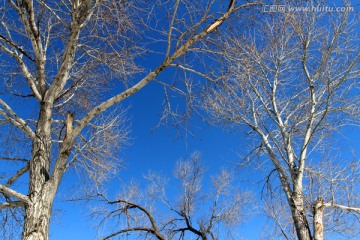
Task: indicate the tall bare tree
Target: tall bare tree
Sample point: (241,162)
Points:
(293,81)
(199,213)
(58,59)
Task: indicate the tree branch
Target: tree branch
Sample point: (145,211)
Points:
(193,71)
(28,76)
(15,46)
(15,194)
(15,120)
(342,207)
(14,159)
(54,13)
(27,15)
(11,205)
(154,230)
(17,175)
(149,230)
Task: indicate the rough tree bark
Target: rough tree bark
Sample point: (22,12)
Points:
(318,219)
(38,212)
(299,216)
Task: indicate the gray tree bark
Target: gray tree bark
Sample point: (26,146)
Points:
(300,221)
(318,219)
(41,190)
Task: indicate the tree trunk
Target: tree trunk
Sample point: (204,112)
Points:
(37,216)
(300,221)
(41,190)
(318,219)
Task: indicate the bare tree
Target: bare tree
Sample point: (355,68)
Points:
(292,81)
(199,213)
(59,58)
